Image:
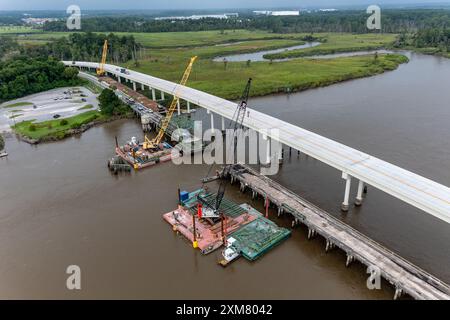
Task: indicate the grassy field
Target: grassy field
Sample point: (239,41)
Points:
(294,75)
(17,30)
(336,43)
(55,128)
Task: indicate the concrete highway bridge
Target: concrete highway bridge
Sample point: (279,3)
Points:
(429,196)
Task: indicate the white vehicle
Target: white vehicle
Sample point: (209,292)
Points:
(230,253)
(134,141)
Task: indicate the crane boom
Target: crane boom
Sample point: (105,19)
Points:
(152,144)
(238,119)
(101,68)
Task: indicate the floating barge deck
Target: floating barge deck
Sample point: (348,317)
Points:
(139,158)
(254,233)
(402,274)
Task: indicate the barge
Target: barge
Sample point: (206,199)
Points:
(243,231)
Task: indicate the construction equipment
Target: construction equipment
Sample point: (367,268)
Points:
(101,68)
(154,144)
(211,207)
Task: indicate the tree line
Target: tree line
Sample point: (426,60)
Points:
(22,76)
(433,37)
(87,47)
(354,21)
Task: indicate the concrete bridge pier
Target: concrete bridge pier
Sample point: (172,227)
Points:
(162,95)
(134,85)
(268,158)
(350,259)
(223,124)
(311,233)
(329,245)
(359,195)
(398,293)
(212,121)
(348,182)
(142,87)
(280,154)
(153,94)
(188,106)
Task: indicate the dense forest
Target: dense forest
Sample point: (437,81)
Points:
(432,40)
(87,46)
(394,21)
(436,37)
(23,75)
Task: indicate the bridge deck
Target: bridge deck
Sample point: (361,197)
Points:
(402,274)
(423,193)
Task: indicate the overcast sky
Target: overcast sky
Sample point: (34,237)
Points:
(189,4)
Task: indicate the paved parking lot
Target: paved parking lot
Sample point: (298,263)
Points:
(58,103)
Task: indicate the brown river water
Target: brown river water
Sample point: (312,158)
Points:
(59,204)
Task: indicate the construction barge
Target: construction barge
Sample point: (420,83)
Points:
(150,152)
(138,157)
(242,232)
(402,274)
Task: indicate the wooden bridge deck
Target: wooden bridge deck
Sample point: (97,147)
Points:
(403,275)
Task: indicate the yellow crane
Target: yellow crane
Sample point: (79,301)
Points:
(153,144)
(101,68)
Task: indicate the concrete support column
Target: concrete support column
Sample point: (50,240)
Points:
(120,80)
(359,195)
(212,122)
(188,106)
(268,150)
(162,95)
(178,107)
(348,182)
(142,87)
(134,86)
(153,95)
(223,124)
(280,152)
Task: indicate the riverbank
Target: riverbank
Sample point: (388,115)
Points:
(432,51)
(54,130)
